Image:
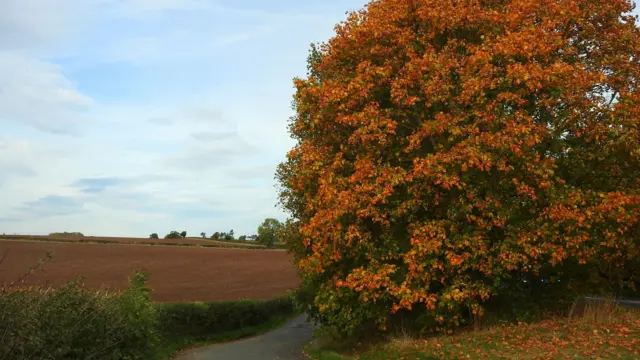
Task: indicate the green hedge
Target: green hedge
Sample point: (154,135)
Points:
(199,321)
(72,322)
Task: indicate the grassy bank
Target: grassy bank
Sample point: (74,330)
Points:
(603,332)
(73,322)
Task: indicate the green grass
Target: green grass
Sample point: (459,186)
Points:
(173,346)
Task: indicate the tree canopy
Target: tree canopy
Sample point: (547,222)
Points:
(268,230)
(447,151)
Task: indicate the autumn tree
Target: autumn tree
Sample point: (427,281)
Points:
(450,152)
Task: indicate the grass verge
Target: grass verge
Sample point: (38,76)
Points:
(605,332)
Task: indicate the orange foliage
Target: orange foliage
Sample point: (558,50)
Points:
(445,145)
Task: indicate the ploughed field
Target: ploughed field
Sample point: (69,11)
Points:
(177,273)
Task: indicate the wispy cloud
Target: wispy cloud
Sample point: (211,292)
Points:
(97,185)
(37,94)
(52,205)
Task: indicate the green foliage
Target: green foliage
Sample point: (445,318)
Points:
(174,235)
(65,233)
(199,321)
(183,234)
(204,235)
(268,230)
(289,234)
(215,236)
(243,238)
(153,236)
(72,322)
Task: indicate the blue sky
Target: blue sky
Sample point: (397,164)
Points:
(126,117)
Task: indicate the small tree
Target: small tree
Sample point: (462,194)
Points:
(173,235)
(215,236)
(154,236)
(183,234)
(267,231)
(204,235)
(243,238)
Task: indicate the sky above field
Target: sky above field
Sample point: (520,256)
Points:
(126,117)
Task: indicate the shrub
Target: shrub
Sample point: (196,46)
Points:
(153,236)
(451,152)
(199,321)
(72,322)
(183,234)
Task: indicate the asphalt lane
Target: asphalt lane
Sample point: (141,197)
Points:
(284,343)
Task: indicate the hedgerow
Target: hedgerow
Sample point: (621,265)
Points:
(73,322)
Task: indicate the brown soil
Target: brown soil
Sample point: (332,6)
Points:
(177,273)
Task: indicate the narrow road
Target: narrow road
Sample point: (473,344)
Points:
(284,343)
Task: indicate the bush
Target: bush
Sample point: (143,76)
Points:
(154,236)
(72,322)
(199,321)
(453,152)
(173,235)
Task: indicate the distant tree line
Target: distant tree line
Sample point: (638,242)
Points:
(65,233)
(268,233)
(171,235)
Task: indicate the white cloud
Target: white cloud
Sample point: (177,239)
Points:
(26,24)
(36,93)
